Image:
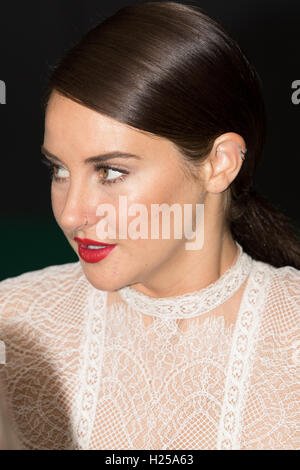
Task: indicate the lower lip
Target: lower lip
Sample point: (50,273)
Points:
(94,256)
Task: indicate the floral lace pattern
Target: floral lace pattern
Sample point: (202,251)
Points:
(240,360)
(215,369)
(195,303)
(161,378)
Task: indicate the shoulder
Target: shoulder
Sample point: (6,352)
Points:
(56,275)
(273,397)
(21,291)
(284,283)
(285,287)
(289,275)
(282,302)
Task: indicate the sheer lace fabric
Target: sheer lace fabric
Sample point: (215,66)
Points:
(212,369)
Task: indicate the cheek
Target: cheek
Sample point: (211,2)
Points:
(155,187)
(56,201)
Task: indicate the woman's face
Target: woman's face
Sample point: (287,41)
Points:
(74,133)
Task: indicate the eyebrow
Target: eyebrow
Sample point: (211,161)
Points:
(97,159)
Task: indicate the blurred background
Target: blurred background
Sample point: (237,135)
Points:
(34,35)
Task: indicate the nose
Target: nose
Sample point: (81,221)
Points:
(74,207)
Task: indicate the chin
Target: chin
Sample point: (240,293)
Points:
(105,282)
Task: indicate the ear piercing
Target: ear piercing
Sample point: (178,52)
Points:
(243,154)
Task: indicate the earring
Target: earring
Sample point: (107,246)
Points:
(243,154)
(86,220)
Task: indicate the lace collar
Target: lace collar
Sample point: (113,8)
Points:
(194,303)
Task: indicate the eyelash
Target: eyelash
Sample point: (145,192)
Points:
(51,166)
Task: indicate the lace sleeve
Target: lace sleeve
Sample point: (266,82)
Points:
(10,302)
(271,414)
(41,315)
(20,292)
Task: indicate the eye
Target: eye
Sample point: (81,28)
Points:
(59,173)
(108,174)
(106,171)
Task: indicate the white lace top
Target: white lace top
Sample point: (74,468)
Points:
(212,369)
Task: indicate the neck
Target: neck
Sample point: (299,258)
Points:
(192,270)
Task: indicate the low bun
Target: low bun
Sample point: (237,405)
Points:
(264,231)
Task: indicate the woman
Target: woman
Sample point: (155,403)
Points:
(145,343)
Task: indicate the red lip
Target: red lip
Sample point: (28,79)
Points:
(87,241)
(93,255)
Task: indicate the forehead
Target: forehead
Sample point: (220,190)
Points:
(69,124)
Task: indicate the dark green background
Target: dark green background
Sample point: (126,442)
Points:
(32,242)
(34,35)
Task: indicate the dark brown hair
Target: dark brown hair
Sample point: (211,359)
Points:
(168,69)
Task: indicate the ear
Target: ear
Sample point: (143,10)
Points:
(224,162)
